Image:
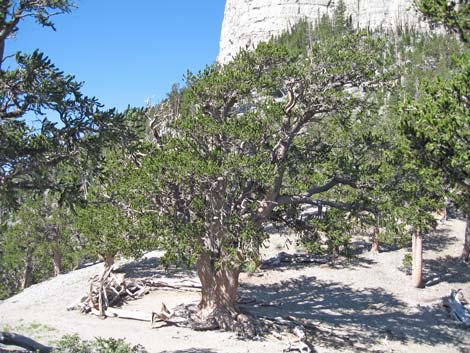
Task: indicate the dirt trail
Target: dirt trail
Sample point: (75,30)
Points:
(365,305)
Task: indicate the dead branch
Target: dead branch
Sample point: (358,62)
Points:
(174,285)
(13,339)
(107,290)
(457,310)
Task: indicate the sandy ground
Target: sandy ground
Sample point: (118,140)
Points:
(363,305)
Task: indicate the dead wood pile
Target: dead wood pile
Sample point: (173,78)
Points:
(108,291)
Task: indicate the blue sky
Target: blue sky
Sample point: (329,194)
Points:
(128,51)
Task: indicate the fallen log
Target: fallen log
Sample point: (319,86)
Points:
(163,315)
(457,309)
(302,345)
(125,314)
(14,339)
(175,285)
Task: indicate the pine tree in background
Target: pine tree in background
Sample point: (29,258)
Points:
(437,121)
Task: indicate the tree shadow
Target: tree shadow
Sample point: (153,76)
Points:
(439,239)
(152,267)
(447,269)
(358,319)
(297,262)
(192,350)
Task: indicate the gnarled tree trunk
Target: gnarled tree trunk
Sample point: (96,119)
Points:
(217,308)
(218,271)
(466,247)
(417,269)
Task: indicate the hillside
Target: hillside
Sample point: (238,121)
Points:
(249,22)
(367,305)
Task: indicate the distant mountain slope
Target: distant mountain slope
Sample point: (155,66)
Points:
(249,22)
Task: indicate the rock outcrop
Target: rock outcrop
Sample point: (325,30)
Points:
(249,22)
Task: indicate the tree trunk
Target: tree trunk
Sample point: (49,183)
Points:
(2,51)
(466,247)
(375,241)
(218,270)
(108,259)
(57,260)
(27,279)
(218,293)
(218,306)
(417,269)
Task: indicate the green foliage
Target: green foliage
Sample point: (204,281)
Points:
(455,15)
(219,160)
(437,124)
(331,234)
(113,218)
(35,232)
(52,138)
(12,11)
(407,262)
(73,344)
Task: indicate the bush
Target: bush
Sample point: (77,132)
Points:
(73,344)
(407,263)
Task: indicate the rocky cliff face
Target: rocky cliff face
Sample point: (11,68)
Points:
(249,22)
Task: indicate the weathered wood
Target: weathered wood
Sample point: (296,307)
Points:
(163,315)
(177,285)
(78,304)
(128,314)
(457,309)
(14,339)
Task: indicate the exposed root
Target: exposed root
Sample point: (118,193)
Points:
(223,319)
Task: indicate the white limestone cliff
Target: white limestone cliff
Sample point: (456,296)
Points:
(249,22)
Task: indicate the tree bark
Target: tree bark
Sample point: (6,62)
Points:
(218,270)
(217,308)
(375,241)
(57,260)
(108,259)
(27,279)
(2,51)
(466,247)
(417,269)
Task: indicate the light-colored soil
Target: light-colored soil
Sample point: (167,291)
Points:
(363,305)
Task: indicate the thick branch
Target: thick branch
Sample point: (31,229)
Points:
(306,196)
(13,339)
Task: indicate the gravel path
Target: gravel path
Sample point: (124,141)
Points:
(365,305)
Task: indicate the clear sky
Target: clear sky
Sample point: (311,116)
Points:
(128,51)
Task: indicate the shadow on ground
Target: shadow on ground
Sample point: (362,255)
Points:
(345,317)
(192,350)
(439,239)
(448,269)
(152,267)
